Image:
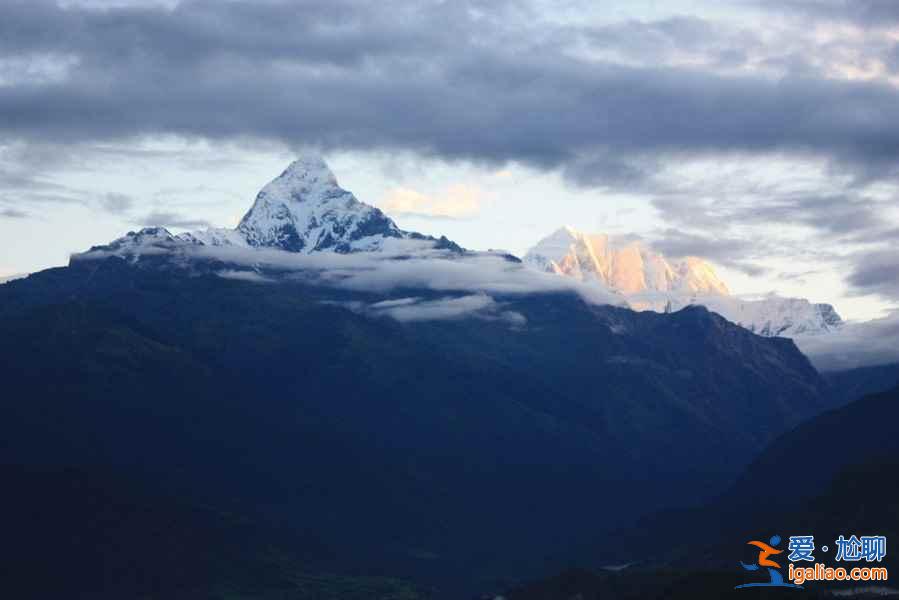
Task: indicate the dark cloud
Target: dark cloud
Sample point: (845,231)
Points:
(171,219)
(116,203)
(27,174)
(452,80)
(836,214)
(876,272)
(678,243)
(731,252)
(842,213)
(757,222)
(867,12)
(602,168)
(12,213)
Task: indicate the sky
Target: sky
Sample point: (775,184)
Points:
(762,135)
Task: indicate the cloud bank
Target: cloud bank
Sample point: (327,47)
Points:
(336,74)
(473,281)
(854,345)
(477,285)
(402,264)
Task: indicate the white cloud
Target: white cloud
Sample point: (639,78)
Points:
(458,201)
(244,276)
(854,345)
(415,308)
(417,264)
(411,309)
(401,264)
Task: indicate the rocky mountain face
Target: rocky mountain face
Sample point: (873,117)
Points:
(647,280)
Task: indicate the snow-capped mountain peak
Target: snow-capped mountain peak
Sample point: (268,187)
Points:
(305,210)
(302,210)
(626,265)
(650,281)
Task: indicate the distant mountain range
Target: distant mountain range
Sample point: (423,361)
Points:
(305,211)
(647,280)
(449,416)
(626,266)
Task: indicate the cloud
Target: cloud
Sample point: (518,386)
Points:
(26,173)
(679,40)
(494,83)
(743,218)
(798,277)
(416,309)
(412,309)
(170,219)
(876,273)
(868,12)
(473,280)
(854,345)
(459,201)
(12,213)
(402,264)
(116,203)
(244,276)
(730,252)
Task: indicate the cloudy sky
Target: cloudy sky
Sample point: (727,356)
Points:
(760,134)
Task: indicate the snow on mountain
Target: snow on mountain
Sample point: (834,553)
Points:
(303,210)
(214,237)
(626,266)
(650,281)
(768,316)
(8,278)
(148,241)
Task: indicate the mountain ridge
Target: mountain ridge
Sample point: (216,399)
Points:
(303,210)
(648,280)
(625,265)
(454,431)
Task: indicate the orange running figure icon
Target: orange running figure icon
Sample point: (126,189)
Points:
(764,552)
(775,579)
